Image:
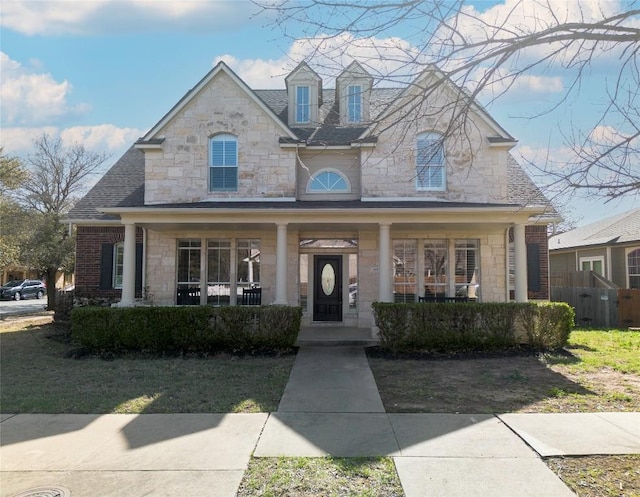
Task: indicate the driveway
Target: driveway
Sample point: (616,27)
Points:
(10,308)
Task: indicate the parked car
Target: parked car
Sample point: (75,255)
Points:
(23,289)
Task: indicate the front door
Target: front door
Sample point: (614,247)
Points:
(327,288)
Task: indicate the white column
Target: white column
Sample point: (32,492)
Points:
(281,264)
(520,247)
(129,267)
(385,273)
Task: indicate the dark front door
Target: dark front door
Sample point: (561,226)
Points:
(327,288)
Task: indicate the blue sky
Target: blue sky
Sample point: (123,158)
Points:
(103,72)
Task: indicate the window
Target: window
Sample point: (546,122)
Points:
(328,181)
(595,264)
(218,272)
(404,270)
(303,104)
(118,264)
(248,264)
(633,268)
(430,163)
(354,103)
(435,268)
(223,163)
(467,268)
(188,272)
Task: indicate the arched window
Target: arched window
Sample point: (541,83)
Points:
(430,162)
(633,268)
(223,163)
(328,180)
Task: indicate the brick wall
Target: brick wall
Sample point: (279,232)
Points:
(88,249)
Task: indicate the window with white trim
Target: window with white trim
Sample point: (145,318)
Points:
(328,180)
(430,162)
(118,264)
(436,255)
(633,268)
(467,268)
(595,264)
(405,258)
(354,103)
(248,264)
(223,163)
(218,272)
(303,104)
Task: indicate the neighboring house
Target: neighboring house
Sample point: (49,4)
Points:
(610,247)
(315,197)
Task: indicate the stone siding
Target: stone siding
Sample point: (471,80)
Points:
(180,171)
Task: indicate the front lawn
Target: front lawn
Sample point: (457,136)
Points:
(599,371)
(37,376)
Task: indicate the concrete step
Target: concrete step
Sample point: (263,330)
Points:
(335,336)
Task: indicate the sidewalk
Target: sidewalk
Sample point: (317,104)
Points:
(330,406)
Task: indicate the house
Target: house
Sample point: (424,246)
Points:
(609,247)
(315,197)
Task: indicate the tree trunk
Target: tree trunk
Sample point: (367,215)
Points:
(51,288)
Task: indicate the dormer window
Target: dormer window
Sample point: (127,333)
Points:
(303,104)
(354,103)
(353,91)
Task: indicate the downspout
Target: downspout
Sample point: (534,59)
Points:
(144,263)
(506,260)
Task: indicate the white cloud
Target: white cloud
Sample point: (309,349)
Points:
(102,138)
(83,17)
(391,57)
(30,97)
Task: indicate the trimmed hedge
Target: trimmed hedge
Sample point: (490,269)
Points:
(448,327)
(185,329)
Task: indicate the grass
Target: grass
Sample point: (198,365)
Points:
(321,477)
(599,476)
(596,349)
(37,377)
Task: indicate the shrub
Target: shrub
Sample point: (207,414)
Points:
(186,329)
(447,327)
(549,324)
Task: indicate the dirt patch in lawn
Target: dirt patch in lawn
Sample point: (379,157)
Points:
(510,383)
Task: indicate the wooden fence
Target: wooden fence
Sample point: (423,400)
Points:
(601,307)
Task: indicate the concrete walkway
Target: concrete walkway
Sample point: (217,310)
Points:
(330,406)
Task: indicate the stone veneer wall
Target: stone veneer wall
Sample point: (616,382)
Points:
(89,240)
(475,172)
(180,171)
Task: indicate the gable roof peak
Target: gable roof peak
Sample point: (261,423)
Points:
(302,67)
(354,69)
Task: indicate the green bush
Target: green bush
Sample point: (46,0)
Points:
(549,324)
(186,329)
(448,327)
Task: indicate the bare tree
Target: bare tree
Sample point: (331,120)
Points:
(487,57)
(56,176)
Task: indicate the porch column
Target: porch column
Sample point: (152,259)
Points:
(281,264)
(520,261)
(129,267)
(385,273)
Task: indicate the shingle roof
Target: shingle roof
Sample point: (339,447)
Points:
(623,228)
(121,186)
(523,191)
(328,130)
(331,204)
